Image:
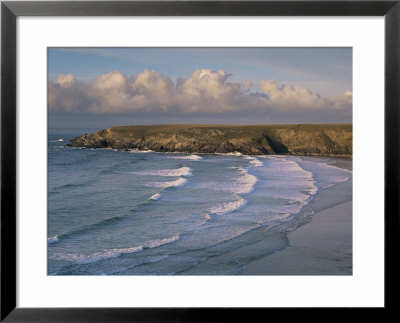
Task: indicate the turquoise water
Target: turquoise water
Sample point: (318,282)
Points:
(145,213)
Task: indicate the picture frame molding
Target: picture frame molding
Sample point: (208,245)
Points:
(11,10)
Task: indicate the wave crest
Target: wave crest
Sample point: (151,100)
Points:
(52,240)
(160,242)
(235,153)
(190,157)
(177,183)
(182,171)
(116,252)
(229,207)
(246,182)
(254,162)
(155,197)
(138,151)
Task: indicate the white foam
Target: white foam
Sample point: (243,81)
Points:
(160,242)
(155,197)
(97,256)
(254,162)
(235,153)
(183,171)
(228,207)
(114,253)
(243,184)
(137,151)
(206,218)
(273,156)
(52,240)
(246,182)
(177,183)
(286,179)
(326,175)
(189,157)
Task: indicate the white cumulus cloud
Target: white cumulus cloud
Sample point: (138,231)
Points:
(287,97)
(205,92)
(65,80)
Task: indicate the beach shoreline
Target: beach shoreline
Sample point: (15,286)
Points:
(322,246)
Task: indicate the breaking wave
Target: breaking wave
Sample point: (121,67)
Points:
(116,252)
(177,183)
(138,151)
(190,157)
(235,153)
(254,162)
(229,207)
(52,240)
(155,197)
(245,183)
(183,171)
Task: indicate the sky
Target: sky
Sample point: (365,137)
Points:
(105,87)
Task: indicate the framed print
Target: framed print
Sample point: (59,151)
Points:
(191,157)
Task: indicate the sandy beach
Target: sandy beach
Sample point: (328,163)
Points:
(321,247)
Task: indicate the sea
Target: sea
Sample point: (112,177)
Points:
(113,212)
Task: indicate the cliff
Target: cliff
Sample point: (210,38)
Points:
(302,139)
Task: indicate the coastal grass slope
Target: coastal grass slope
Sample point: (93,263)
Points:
(293,139)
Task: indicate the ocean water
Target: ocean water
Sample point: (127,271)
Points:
(116,212)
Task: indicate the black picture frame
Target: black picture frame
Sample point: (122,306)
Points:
(10,11)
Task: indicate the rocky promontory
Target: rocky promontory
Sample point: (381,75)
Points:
(301,139)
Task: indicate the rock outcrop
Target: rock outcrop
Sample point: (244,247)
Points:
(303,139)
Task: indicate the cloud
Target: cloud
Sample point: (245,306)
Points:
(344,101)
(65,80)
(247,86)
(111,81)
(289,98)
(205,92)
